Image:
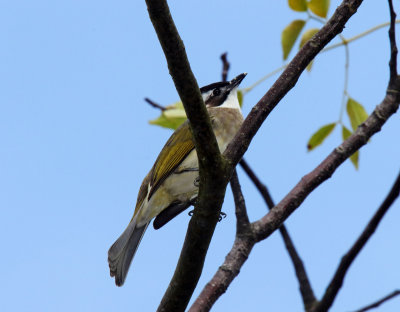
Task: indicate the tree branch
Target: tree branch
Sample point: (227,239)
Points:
(393,46)
(154,104)
(225,66)
(273,220)
(288,79)
(265,226)
(337,280)
(306,291)
(225,274)
(217,172)
(244,242)
(213,174)
(379,302)
(185,82)
(242,219)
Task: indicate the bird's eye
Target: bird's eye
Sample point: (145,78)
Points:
(216,92)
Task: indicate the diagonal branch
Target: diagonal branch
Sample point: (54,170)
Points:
(242,219)
(306,291)
(379,302)
(288,79)
(348,258)
(154,104)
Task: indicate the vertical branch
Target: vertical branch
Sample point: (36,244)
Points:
(225,66)
(306,290)
(214,174)
(393,45)
(242,219)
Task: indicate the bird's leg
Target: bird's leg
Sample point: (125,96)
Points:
(193,201)
(222,215)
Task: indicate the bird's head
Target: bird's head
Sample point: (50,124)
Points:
(222,94)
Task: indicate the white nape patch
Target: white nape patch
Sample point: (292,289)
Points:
(232,100)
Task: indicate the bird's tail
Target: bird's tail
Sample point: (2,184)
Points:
(122,251)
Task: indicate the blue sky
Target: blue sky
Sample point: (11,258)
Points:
(76,145)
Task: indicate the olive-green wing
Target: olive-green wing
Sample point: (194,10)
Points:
(142,193)
(179,145)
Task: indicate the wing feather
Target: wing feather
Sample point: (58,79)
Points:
(178,146)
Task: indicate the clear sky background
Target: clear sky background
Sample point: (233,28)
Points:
(76,144)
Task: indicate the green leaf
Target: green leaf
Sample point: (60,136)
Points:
(289,36)
(298,5)
(319,7)
(356,112)
(172,117)
(240,97)
(318,137)
(346,133)
(308,34)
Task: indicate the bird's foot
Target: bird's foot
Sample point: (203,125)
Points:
(222,215)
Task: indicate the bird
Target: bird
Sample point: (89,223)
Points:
(172,184)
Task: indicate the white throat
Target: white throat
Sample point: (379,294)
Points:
(232,100)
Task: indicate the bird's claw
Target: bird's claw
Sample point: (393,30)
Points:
(222,215)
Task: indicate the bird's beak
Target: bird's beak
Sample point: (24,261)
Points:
(236,81)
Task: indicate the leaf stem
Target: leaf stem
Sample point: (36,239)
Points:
(331,47)
(346,77)
(363,34)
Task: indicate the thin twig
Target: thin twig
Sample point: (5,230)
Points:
(154,104)
(242,219)
(336,283)
(225,66)
(379,302)
(346,78)
(356,37)
(306,290)
(393,45)
(262,188)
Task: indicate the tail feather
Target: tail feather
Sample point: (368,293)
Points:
(121,253)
